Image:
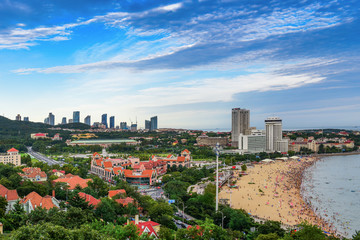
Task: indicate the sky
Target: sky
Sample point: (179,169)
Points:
(188,62)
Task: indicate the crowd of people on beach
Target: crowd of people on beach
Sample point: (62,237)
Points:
(275,194)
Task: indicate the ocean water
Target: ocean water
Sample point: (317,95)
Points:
(332,186)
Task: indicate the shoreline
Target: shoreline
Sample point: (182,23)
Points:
(273,192)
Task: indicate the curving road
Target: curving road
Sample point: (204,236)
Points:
(43,158)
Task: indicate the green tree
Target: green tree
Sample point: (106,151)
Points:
(98,187)
(106,210)
(76,201)
(356,236)
(165,233)
(243,167)
(271,227)
(269,236)
(3,205)
(309,232)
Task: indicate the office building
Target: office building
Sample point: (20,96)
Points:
(76,117)
(18,117)
(147,124)
(274,141)
(87,120)
(153,123)
(26,119)
(123,126)
(240,122)
(104,120)
(112,122)
(63,121)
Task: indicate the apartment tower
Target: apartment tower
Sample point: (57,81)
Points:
(273,128)
(240,122)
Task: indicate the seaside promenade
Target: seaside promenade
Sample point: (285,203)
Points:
(272,192)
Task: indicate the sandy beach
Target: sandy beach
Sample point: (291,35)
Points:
(272,191)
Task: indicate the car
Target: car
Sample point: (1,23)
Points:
(158,187)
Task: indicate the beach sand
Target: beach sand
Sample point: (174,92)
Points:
(272,192)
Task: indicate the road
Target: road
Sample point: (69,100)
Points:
(43,158)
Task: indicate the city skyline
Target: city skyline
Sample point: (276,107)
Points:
(187,62)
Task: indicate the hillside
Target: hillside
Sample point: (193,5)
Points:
(14,129)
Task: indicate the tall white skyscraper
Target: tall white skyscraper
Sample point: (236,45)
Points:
(274,141)
(240,122)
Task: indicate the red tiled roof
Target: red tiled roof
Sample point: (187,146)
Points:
(169,156)
(12,150)
(40,135)
(90,199)
(186,151)
(9,195)
(98,162)
(117,169)
(107,164)
(73,181)
(38,201)
(180,159)
(125,201)
(112,193)
(31,172)
(142,226)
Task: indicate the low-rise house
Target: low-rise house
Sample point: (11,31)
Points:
(39,136)
(56,137)
(11,197)
(149,227)
(125,201)
(34,200)
(33,174)
(58,173)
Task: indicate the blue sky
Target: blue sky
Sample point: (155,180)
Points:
(189,62)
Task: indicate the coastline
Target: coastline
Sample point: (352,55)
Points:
(273,192)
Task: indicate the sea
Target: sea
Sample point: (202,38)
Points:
(332,187)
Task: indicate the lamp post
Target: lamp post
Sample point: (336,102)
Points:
(217,177)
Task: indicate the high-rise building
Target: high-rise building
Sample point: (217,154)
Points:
(76,116)
(63,121)
(147,124)
(240,122)
(153,123)
(70,120)
(51,119)
(87,120)
(26,119)
(112,122)
(104,120)
(123,126)
(274,141)
(18,117)
(133,127)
